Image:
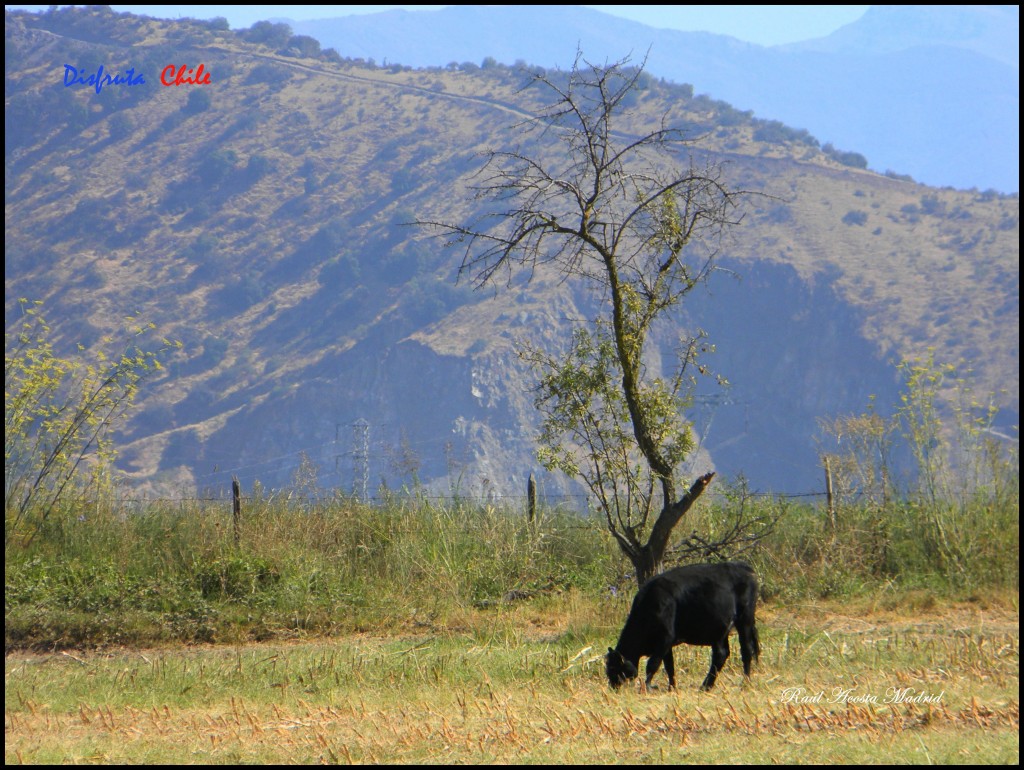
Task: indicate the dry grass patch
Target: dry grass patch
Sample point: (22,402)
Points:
(830,688)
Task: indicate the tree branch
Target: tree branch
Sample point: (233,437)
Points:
(672,513)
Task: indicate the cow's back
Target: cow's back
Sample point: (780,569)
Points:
(707,599)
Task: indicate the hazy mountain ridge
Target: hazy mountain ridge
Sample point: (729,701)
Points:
(992,31)
(929,91)
(266,230)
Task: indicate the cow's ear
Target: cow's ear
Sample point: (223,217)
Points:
(611,651)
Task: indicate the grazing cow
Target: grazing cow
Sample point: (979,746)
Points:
(697,604)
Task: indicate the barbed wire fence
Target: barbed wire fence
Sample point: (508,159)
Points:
(581,504)
(571,511)
(355,462)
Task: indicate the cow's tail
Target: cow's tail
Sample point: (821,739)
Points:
(748,606)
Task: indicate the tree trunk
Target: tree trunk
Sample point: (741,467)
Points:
(648,560)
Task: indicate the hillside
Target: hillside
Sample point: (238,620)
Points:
(928,91)
(262,219)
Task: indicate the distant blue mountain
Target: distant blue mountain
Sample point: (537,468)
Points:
(929,91)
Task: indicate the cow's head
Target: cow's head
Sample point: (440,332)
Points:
(619,669)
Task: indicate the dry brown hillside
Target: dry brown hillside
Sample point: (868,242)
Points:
(262,219)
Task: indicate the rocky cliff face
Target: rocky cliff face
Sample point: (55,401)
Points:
(451,410)
(794,353)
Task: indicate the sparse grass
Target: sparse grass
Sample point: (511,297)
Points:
(512,695)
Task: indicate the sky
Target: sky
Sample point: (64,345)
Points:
(761,24)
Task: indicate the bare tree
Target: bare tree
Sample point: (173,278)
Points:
(620,212)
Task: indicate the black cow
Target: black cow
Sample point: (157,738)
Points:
(697,604)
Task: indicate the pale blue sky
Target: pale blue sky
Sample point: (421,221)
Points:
(762,24)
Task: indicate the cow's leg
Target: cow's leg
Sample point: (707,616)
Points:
(670,669)
(719,654)
(653,664)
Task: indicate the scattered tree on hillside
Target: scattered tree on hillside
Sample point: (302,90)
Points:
(618,212)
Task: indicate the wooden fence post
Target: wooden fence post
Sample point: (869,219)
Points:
(531,500)
(830,501)
(236,508)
